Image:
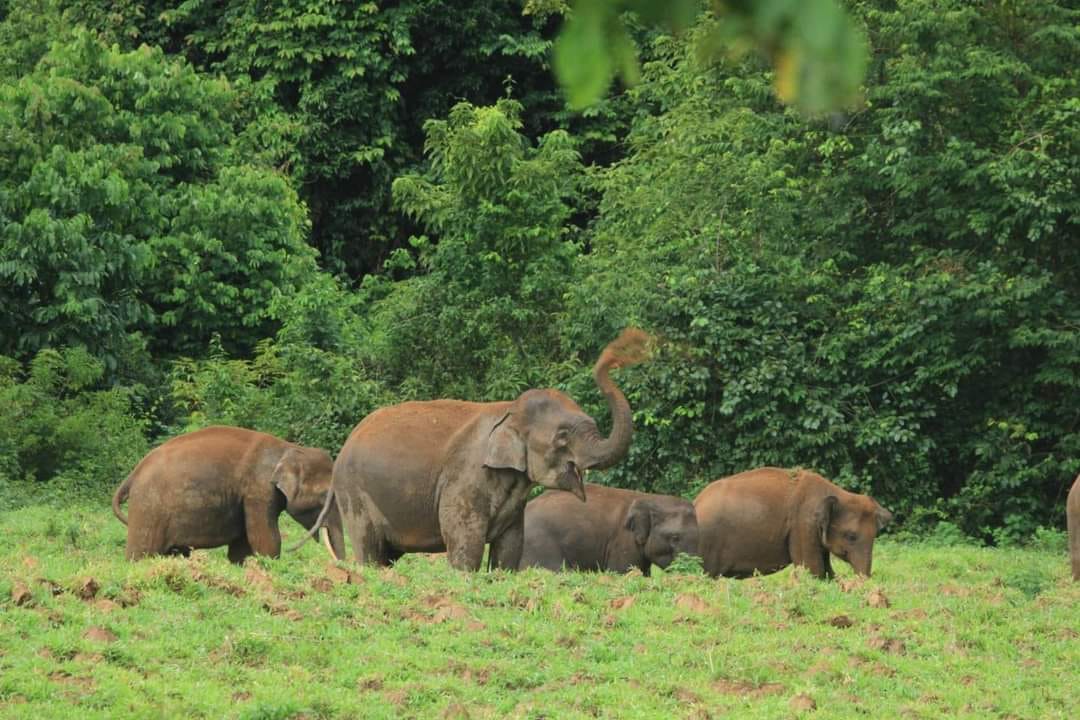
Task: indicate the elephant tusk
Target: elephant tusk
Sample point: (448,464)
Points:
(324,535)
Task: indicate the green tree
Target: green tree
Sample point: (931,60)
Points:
(890,297)
(127,205)
(479,322)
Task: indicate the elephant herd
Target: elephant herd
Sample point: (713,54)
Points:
(454,476)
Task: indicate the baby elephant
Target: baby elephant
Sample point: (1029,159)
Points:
(1072,518)
(763,520)
(224,486)
(612,530)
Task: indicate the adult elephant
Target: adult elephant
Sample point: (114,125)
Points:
(614,529)
(762,520)
(1072,518)
(453,475)
(224,486)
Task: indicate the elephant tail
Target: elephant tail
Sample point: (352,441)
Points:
(120,496)
(317,526)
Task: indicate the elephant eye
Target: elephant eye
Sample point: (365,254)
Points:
(850,536)
(562,437)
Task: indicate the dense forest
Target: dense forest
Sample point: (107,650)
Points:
(283,215)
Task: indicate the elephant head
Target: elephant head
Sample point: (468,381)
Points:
(848,525)
(547,436)
(663,527)
(302,476)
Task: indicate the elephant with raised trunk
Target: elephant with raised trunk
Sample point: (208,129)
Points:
(453,475)
(224,486)
(614,529)
(1072,519)
(762,520)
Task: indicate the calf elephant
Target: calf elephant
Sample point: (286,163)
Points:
(223,486)
(762,520)
(1072,518)
(613,529)
(453,475)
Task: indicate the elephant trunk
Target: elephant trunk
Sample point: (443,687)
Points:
(862,561)
(630,348)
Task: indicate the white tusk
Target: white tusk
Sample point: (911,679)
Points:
(324,535)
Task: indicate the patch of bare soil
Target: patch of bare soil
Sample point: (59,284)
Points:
(877,599)
(686,696)
(841,621)
(283,610)
(340,576)
(21,595)
(691,602)
(802,703)
(621,603)
(892,646)
(746,689)
(106,605)
(455,711)
(75,682)
(99,634)
(86,588)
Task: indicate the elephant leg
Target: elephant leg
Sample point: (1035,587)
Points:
(239,550)
(143,540)
(369,544)
(505,552)
(465,540)
(261,527)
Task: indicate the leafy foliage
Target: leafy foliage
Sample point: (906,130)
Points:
(478,323)
(54,425)
(818,53)
(125,207)
(827,295)
(887,293)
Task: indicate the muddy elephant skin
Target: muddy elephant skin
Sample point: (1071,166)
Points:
(762,520)
(223,486)
(613,529)
(1072,518)
(453,475)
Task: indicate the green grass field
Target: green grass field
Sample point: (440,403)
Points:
(937,632)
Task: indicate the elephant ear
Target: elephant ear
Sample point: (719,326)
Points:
(639,520)
(883,517)
(286,477)
(505,447)
(823,516)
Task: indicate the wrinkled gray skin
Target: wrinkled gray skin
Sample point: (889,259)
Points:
(613,529)
(1072,517)
(223,486)
(765,519)
(453,475)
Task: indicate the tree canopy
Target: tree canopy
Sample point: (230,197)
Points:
(850,226)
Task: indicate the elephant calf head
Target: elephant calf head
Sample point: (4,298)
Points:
(303,476)
(663,527)
(848,525)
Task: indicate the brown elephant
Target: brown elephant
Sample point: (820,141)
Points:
(223,486)
(760,521)
(453,475)
(614,529)
(1072,519)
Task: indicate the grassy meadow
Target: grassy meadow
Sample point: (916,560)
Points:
(937,632)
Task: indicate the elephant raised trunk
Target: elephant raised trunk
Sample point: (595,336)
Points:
(630,348)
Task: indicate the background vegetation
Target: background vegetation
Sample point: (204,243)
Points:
(284,215)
